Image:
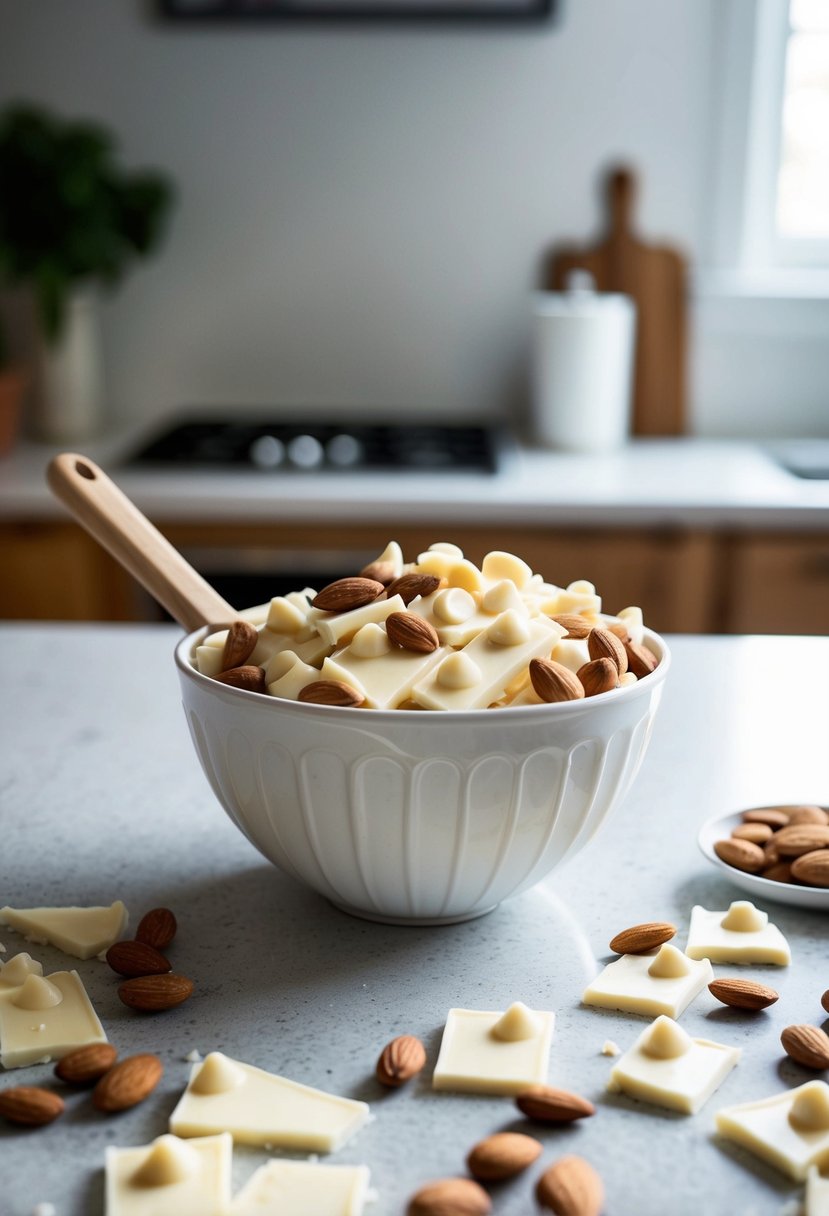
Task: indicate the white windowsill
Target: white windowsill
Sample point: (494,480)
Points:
(793,285)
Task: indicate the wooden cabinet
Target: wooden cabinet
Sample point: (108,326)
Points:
(776,578)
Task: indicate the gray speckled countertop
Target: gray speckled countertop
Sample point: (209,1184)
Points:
(101,797)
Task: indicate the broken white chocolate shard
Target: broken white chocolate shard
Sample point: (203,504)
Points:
(170,1178)
(668,1068)
(709,938)
(341,628)
(17,969)
(766,1129)
(83,932)
(453,605)
(266,1109)
(649,984)
(743,917)
(816,1199)
(385,680)
(472,1059)
(286,675)
(611,1048)
(297,1188)
(45,1018)
(498,566)
(311,650)
(516,1024)
(218,1075)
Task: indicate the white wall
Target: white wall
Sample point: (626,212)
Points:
(362,211)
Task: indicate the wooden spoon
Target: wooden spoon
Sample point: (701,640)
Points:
(117,524)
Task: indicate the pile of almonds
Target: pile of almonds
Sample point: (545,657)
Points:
(150,985)
(783,843)
(118,1085)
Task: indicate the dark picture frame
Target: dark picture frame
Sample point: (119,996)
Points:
(358,10)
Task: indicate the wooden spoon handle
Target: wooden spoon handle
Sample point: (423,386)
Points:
(118,525)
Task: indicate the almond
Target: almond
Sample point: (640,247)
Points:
(757,833)
(546,1104)
(554,682)
(400,1060)
(640,660)
(781,871)
(411,632)
(598,676)
(30,1105)
(136,958)
(812,869)
(502,1155)
(239,645)
(571,1187)
(252,679)
(128,1083)
(741,854)
(743,994)
(86,1064)
(809,814)
(801,838)
(157,928)
(152,993)
(641,938)
(775,816)
(824,1000)
(410,586)
(347,593)
(602,644)
(330,692)
(450,1197)
(379,572)
(807,1045)
(576,626)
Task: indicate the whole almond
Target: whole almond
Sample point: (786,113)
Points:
(450,1197)
(571,1187)
(812,869)
(330,692)
(741,854)
(555,682)
(796,839)
(546,1104)
(252,679)
(86,1064)
(743,994)
(379,572)
(157,928)
(775,816)
(807,1045)
(602,644)
(136,958)
(127,1083)
(598,676)
(400,1060)
(30,1105)
(239,645)
(576,626)
(809,814)
(409,586)
(757,833)
(824,1000)
(411,632)
(641,938)
(781,871)
(153,993)
(347,593)
(641,661)
(502,1155)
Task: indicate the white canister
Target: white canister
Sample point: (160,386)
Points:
(583,349)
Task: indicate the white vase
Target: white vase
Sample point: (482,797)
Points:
(68,398)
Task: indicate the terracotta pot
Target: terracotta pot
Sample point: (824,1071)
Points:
(13,382)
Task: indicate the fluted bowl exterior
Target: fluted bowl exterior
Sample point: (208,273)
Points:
(418,816)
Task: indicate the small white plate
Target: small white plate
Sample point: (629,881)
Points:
(764,888)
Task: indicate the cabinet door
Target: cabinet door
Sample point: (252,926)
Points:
(778,584)
(57,572)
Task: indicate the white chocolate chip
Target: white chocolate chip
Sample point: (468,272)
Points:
(370,642)
(454,605)
(665,1039)
(631,618)
(465,574)
(209,660)
(517,1024)
(509,629)
(285,617)
(499,565)
(435,562)
(458,671)
(501,596)
(743,917)
(669,963)
(445,546)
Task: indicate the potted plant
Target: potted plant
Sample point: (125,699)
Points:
(71,220)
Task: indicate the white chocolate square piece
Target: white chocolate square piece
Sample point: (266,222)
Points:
(662,981)
(668,1068)
(83,932)
(298,1188)
(385,679)
(343,626)
(257,1107)
(743,934)
(790,1130)
(170,1177)
(494,1053)
(43,1017)
(817,1192)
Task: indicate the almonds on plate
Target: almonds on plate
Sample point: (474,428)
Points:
(743,994)
(757,833)
(554,682)
(409,586)
(824,1000)
(252,679)
(741,854)
(502,1155)
(641,938)
(602,644)
(776,816)
(597,676)
(411,632)
(781,871)
(86,1064)
(641,661)
(546,1104)
(800,838)
(450,1197)
(812,868)
(136,958)
(379,572)
(128,1083)
(347,593)
(571,1187)
(807,1045)
(400,1060)
(30,1105)
(157,928)
(153,993)
(576,626)
(239,645)
(330,692)
(808,814)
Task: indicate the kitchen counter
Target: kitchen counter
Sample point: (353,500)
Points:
(103,798)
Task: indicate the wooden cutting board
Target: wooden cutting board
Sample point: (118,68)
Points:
(655,277)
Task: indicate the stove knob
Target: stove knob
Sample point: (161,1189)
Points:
(305,452)
(344,451)
(267,452)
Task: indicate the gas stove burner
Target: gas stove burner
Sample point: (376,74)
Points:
(329,447)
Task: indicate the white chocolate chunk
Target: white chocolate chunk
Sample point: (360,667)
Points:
(743,917)
(83,932)
(631,618)
(36,1026)
(499,565)
(18,969)
(458,634)
(36,993)
(627,678)
(445,546)
(385,680)
(465,575)
(286,675)
(572,653)
(810,1110)
(268,1109)
(392,556)
(453,605)
(817,1193)
(459,671)
(669,963)
(517,1023)
(218,1075)
(370,642)
(216,640)
(473,1059)
(630,984)
(170,1178)
(579,597)
(766,1129)
(436,562)
(285,617)
(341,628)
(501,596)
(509,629)
(667,1068)
(209,660)
(609,1048)
(709,938)
(297,1188)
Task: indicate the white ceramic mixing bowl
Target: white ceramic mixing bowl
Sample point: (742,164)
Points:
(413,816)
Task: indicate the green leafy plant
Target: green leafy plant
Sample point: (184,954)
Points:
(69,215)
